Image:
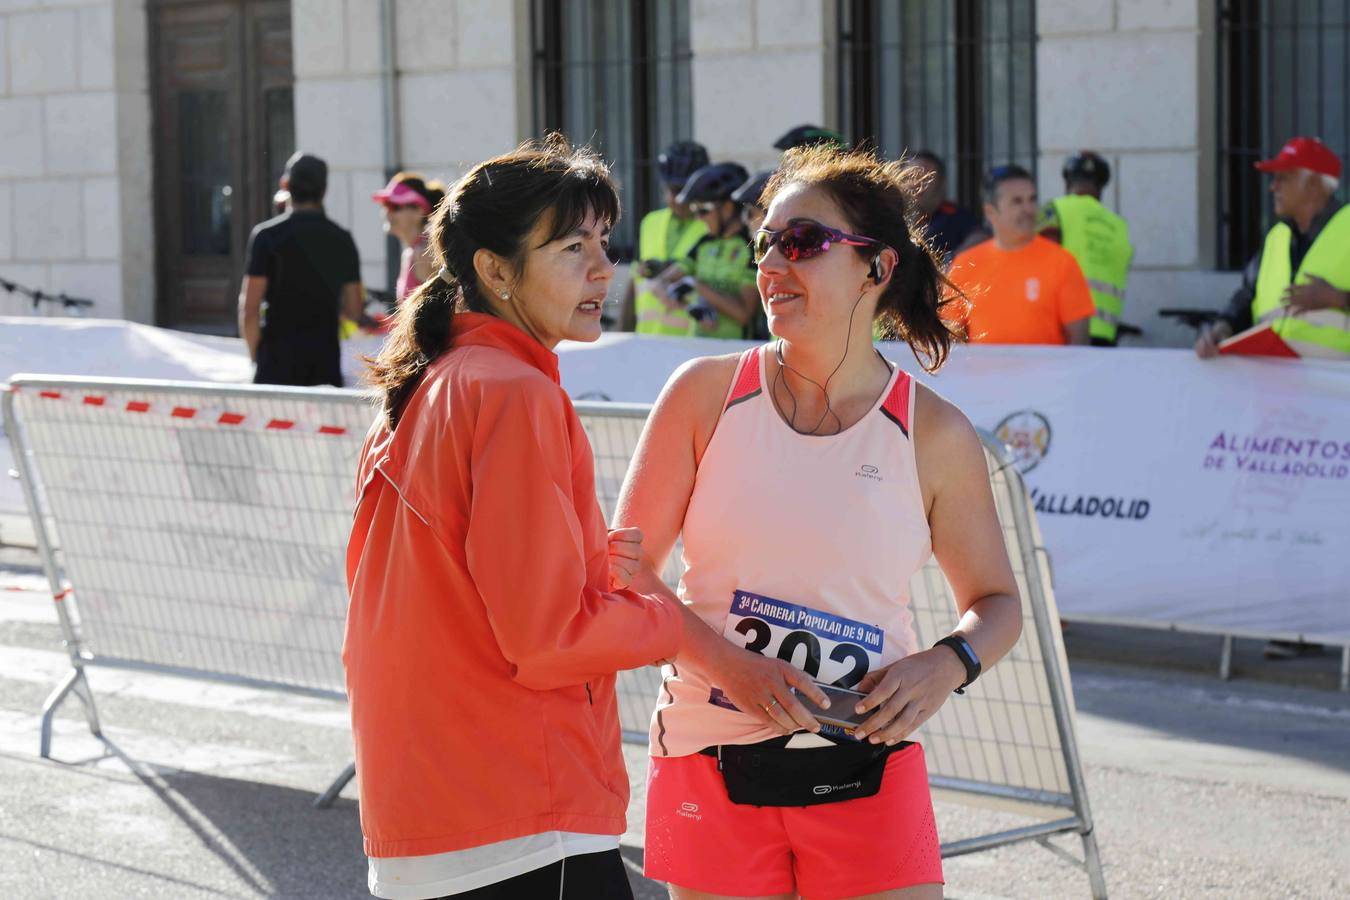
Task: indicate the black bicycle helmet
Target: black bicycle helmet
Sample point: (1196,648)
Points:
(805,135)
(712,183)
(680,160)
(1087,166)
(750,192)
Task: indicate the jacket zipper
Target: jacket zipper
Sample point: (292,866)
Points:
(589,697)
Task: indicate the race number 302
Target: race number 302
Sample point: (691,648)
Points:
(832,649)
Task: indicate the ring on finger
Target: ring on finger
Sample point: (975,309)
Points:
(771,705)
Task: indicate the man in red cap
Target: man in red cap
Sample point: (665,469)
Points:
(1299,281)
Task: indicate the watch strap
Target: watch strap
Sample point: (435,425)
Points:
(966,653)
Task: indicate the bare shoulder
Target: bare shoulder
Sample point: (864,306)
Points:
(701,382)
(692,399)
(946,444)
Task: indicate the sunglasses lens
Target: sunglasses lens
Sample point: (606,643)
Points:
(759,248)
(804,242)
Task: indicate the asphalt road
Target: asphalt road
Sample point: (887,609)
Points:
(1200,788)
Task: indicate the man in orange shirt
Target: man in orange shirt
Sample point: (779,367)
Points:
(1022,288)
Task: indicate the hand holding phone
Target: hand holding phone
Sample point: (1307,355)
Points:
(843,704)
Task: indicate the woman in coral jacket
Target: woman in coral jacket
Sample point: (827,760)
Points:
(489,609)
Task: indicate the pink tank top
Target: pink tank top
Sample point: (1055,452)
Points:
(796,546)
(407,272)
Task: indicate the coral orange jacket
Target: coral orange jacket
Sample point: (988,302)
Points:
(481,640)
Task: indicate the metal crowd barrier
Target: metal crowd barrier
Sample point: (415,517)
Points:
(203,527)
(1010,740)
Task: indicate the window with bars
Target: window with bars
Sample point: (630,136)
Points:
(615,74)
(956,78)
(1283,70)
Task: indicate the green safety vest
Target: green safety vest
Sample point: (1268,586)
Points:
(662,237)
(724,264)
(1325,332)
(1100,241)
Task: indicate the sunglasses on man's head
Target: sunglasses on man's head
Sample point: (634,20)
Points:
(702,209)
(805,240)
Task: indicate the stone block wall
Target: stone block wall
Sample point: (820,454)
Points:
(75,201)
(759,68)
(460,96)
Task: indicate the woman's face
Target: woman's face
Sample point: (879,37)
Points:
(560,293)
(404,222)
(813,298)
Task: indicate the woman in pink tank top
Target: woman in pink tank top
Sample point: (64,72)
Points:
(408,201)
(810,479)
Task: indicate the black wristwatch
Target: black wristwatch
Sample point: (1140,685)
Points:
(966,653)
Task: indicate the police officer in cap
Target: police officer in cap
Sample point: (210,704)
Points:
(1098,238)
(665,235)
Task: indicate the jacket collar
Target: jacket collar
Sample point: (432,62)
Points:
(469,329)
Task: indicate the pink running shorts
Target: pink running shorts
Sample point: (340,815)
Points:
(698,838)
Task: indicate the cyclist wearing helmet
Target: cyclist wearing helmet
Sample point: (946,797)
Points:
(664,235)
(715,281)
(809,135)
(747,195)
(1098,238)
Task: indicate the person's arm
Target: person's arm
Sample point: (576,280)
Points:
(1236,317)
(1316,293)
(250,312)
(739,307)
(1078,331)
(353,301)
(654,498)
(1076,308)
(969,546)
(628,306)
(525,550)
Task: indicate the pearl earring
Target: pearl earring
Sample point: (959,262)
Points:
(505,294)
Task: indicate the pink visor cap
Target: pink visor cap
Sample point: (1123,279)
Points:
(396,193)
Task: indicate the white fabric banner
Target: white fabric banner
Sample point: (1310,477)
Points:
(1210,494)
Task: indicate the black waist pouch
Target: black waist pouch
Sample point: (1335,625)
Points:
(769,774)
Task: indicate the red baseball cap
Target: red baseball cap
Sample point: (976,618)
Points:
(1304,153)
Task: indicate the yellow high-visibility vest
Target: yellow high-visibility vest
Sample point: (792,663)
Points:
(1324,332)
(1100,241)
(663,238)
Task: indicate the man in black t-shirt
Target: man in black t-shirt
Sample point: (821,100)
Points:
(303,275)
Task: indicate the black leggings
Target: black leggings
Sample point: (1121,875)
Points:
(590,876)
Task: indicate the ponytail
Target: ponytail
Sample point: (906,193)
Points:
(918,306)
(421,333)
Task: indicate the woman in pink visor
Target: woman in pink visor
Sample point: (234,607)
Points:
(408,200)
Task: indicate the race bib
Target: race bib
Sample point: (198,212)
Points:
(832,649)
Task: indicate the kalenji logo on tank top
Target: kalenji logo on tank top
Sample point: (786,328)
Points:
(871,472)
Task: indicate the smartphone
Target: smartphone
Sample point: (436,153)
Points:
(840,713)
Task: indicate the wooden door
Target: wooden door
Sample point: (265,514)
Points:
(224,126)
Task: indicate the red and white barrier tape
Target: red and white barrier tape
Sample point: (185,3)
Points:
(212,415)
(14,589)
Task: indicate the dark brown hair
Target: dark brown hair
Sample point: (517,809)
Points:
(431,191)
(877,197)
(493,207)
